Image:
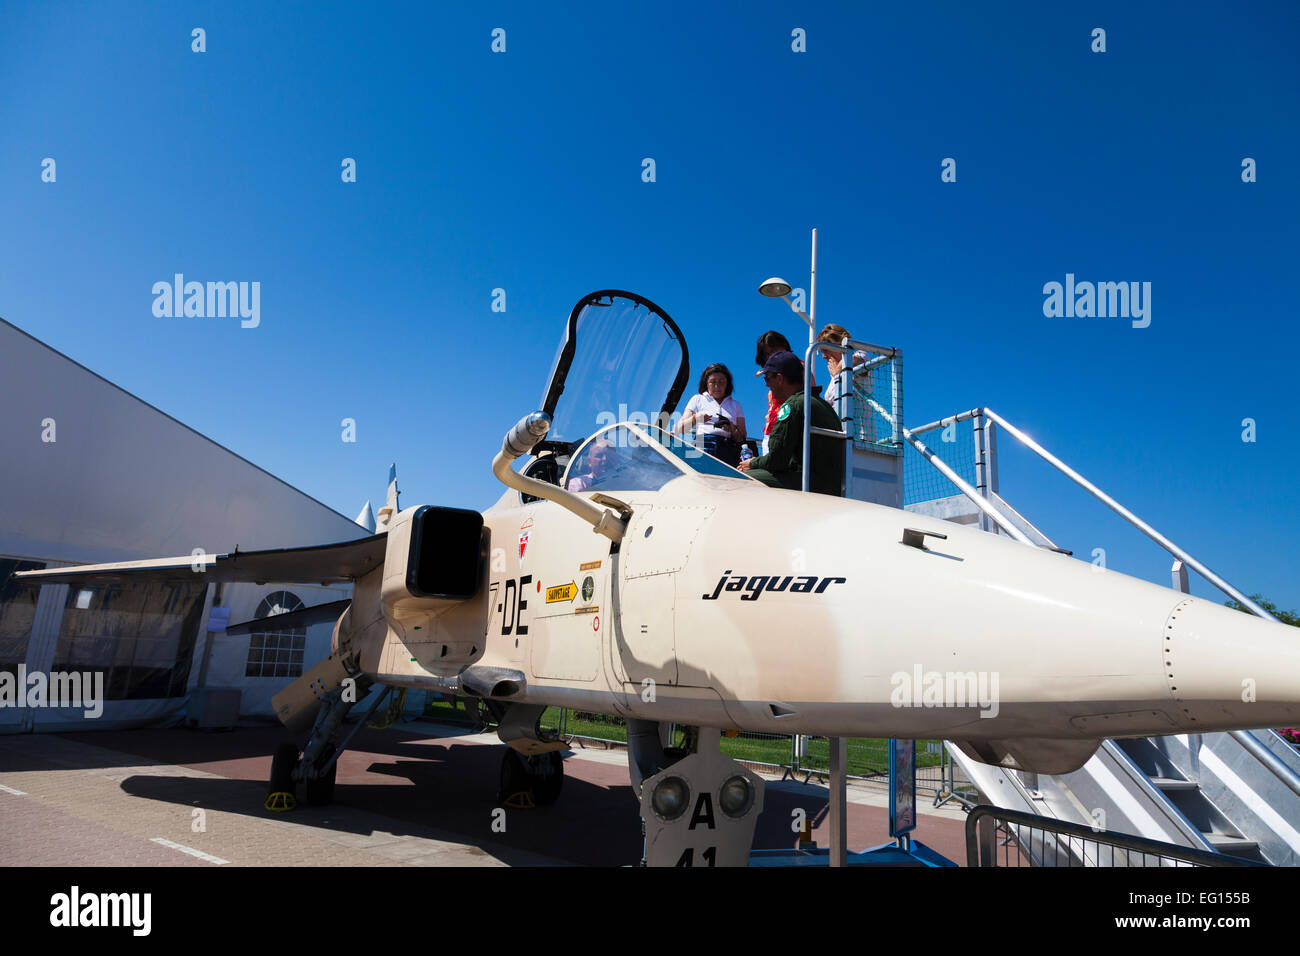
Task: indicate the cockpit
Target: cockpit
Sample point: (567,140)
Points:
(614,387)
(638,458)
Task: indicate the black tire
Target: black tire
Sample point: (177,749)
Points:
(514,778)
(541,777)
(547,772)
(282,767)
(321,790)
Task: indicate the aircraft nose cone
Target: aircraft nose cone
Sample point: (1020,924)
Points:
(1224,667)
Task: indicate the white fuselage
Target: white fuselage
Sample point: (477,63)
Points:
(731,604)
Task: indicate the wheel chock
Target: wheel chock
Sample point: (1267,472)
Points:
(280,802)
(523,800)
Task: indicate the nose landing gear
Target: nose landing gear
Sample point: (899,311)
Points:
(701,809)
(532,771)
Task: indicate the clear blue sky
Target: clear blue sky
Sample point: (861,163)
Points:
(522,171)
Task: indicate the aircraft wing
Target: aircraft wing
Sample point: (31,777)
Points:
(318,564)
(318,614)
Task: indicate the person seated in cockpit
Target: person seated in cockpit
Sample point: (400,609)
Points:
(601,460)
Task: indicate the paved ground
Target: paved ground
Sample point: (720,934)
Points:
(422,795)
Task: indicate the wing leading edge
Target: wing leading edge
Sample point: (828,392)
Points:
(316,564)
(317,614)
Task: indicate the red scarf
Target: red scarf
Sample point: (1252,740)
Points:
(773,407)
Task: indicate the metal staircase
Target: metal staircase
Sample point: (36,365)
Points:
(1235,793)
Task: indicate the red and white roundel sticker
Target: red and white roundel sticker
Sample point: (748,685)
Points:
(523,536)
(595,622)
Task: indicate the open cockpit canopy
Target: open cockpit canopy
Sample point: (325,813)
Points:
(622,359)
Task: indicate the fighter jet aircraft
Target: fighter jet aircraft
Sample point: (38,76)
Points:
(624,572)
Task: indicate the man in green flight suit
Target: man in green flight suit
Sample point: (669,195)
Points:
(782,465)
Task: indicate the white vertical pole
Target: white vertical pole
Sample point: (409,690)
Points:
(807,372)
(812,294)
(211,599)
(895,397)
(990,451)
(981,469)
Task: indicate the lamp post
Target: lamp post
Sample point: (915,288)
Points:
(778,288)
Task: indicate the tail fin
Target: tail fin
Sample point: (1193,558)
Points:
(390,507)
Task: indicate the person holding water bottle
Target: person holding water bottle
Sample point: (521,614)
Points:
(718,419)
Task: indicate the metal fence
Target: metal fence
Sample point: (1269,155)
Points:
(795,756)
(1002,838)
(955,444)
(868,759)
(880,379)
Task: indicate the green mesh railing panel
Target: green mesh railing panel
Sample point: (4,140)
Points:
(884,384)
(954,444)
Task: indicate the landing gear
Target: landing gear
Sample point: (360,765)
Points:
(320,788)
(317,768)
(530,781)
(532,771)
(282,766)
(279,797)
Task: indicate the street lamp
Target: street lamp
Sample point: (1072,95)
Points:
(778,288)
(775,287)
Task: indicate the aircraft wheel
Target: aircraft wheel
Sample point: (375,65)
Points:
(547,772)
(515,791)
(530,781)
(282,766)
(321,790)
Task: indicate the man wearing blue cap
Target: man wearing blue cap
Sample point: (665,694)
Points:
(781,467)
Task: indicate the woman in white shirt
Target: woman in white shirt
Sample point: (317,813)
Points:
(718,418)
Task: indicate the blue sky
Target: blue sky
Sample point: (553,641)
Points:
(522,170)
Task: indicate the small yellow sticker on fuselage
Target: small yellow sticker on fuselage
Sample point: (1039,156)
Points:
(565,592)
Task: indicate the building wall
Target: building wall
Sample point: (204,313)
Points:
(122,480)
(229,661)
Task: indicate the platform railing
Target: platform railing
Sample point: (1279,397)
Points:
(1030,840)
(1128,516)
(991,419)
(847,347)
(991,511)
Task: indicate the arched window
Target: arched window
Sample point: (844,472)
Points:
(276,653)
